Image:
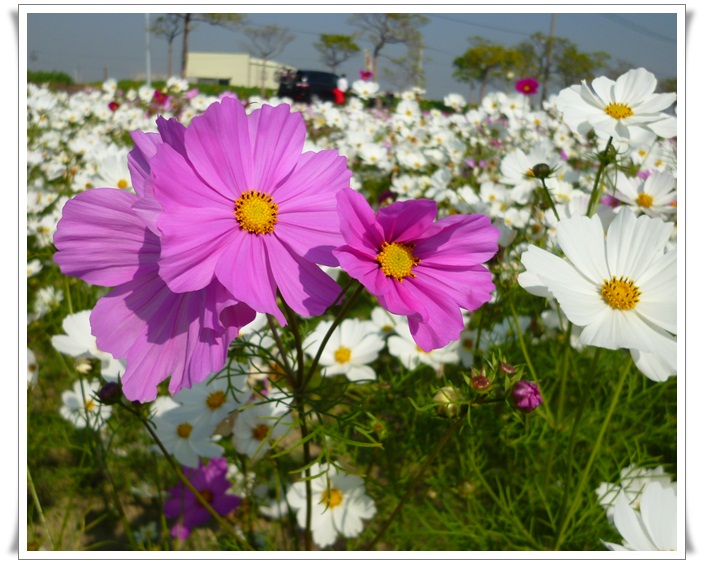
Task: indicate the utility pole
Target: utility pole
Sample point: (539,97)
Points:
(548,58)
(148,72)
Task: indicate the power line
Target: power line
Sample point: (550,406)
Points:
(503,29)
(638,29)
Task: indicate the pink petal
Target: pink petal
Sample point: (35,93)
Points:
(100,240)
(357,222)
(277,137)
(244,270)
(192,243)
(219,148)
(304,287)
(406,221)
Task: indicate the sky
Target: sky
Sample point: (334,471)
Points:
(89,46)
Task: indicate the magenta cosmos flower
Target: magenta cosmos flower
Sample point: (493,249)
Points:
(243,205)
(108,237)
(212,484)
(418,267)
(527,86)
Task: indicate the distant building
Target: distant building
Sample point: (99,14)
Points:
(232,69)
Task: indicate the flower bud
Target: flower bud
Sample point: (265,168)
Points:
(446,398)
(526,396)
(110,393)
(508,368)
(479,380)
(542,170)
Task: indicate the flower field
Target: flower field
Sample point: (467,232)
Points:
(260,325)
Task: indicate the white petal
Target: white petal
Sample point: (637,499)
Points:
(582,240)
(655,366)
(630,525)
(658,507)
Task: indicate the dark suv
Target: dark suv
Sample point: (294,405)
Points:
(306,86)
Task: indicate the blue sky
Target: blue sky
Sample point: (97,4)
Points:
(87,45)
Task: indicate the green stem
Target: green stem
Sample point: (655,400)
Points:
(279,344)
(596,190)
(38,506)
(549,198)
(308,538)
(242,544)
(533,374)
(414,481)
(340,316)
(564,371)
(592,457)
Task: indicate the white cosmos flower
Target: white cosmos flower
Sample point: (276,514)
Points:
(632,484)
(259,424)
(210,402)
(403,347)
(620,287)
(185,439)
(81,407)
(339,504)
(617,108)
(352,346)
(79,342)
(654,196)
(654,527)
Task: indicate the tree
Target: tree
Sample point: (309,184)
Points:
(171,26)
(484,62)
(387,29)
(407,71)
(548,57)
(265,43)
(335,49)
(572,67)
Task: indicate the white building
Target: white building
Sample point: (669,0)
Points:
(233,69)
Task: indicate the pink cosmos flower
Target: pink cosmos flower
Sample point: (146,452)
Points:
(244,206)
(108,237)
(418,267)
(101,240)
(527,86)
(212,484)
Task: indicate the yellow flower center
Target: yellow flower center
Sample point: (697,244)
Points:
(216,399)
(260,431)
(530,172)
(620,293)
(122,183)
(184,430)
(90,405)
(644,200)
(342,355)
(331,498)
(256,212)
(397,260)
(618,111)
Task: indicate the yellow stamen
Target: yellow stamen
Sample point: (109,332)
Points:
(618,111)
(644,200)
(184,430)
(256,212)
(122,183)
(260,431)
(90,405)
(216,399)
(620,293)
(331,498)
(342,355)
(397,260)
